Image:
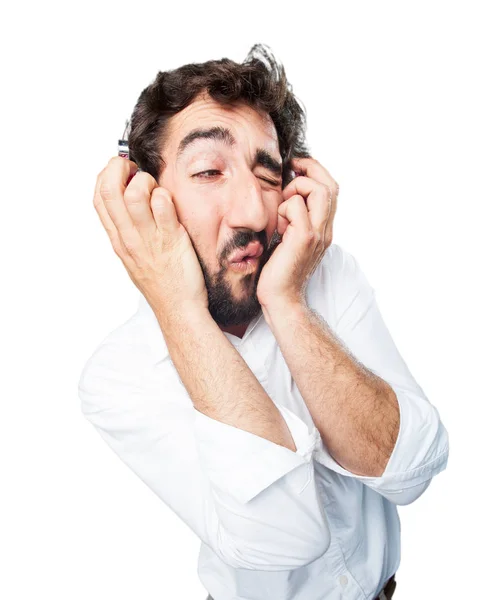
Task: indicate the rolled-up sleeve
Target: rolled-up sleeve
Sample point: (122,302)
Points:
(228,485)
(422,447)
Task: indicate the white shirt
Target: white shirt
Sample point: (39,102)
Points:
(274,524)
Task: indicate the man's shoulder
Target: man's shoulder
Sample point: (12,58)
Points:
(337,279)
(338,260)
(333,270)
(124,348)
(122,371)
(344,268)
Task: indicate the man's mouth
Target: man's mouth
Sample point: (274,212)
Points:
(252,251)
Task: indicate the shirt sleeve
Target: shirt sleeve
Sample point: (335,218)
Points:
(225,483)
(422,446)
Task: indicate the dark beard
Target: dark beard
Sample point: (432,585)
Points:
(224,308)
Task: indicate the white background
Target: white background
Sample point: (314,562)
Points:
(400,104)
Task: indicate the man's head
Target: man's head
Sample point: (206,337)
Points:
(220,137)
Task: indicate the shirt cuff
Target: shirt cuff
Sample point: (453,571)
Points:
(420,452)
(243,464)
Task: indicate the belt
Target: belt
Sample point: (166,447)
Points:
(388,589)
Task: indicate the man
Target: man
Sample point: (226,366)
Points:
(257,389)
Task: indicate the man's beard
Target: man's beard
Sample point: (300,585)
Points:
(224,308)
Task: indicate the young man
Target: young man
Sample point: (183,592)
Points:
(257,389)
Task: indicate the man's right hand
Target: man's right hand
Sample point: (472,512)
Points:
(141,222)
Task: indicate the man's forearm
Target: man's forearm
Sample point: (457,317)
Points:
(218,380)
(356,412)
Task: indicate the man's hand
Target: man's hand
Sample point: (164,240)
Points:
(306,222)
(156,250)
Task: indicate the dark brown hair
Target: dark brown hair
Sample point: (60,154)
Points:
(259,81)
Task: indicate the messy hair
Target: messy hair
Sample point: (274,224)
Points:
(259,81)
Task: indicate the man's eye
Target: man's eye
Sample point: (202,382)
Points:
(203,173)
(212,172)
(270,181)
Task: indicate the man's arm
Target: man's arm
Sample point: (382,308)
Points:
(355,411)
(225,483)
(356,384)
(218,380)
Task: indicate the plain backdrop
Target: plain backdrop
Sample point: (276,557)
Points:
(400,103)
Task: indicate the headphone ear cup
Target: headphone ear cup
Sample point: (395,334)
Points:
(123,149)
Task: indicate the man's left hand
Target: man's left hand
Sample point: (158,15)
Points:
(305,220)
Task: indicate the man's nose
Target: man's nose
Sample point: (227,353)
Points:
(246,206)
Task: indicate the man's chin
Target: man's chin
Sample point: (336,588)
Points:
(232,311)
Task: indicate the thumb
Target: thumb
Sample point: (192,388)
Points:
(164,212)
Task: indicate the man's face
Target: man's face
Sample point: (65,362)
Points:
(226,192)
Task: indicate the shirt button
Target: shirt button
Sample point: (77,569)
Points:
(343,580)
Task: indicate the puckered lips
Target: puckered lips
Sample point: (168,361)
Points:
(252,250)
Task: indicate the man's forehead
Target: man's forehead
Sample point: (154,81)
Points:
(205,113)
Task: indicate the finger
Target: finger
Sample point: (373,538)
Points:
(111,190)
(295,213)
(105,219)
(312,168)
(164,211)
(318,198)
(303,185)
(137,198)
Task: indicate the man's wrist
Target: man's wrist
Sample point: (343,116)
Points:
(174,319)
(283,308)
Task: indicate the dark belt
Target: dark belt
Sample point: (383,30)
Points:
(388,590)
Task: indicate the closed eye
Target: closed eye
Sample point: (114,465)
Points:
(203,174)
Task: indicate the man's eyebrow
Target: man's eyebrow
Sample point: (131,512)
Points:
(223,134)
(265,159)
